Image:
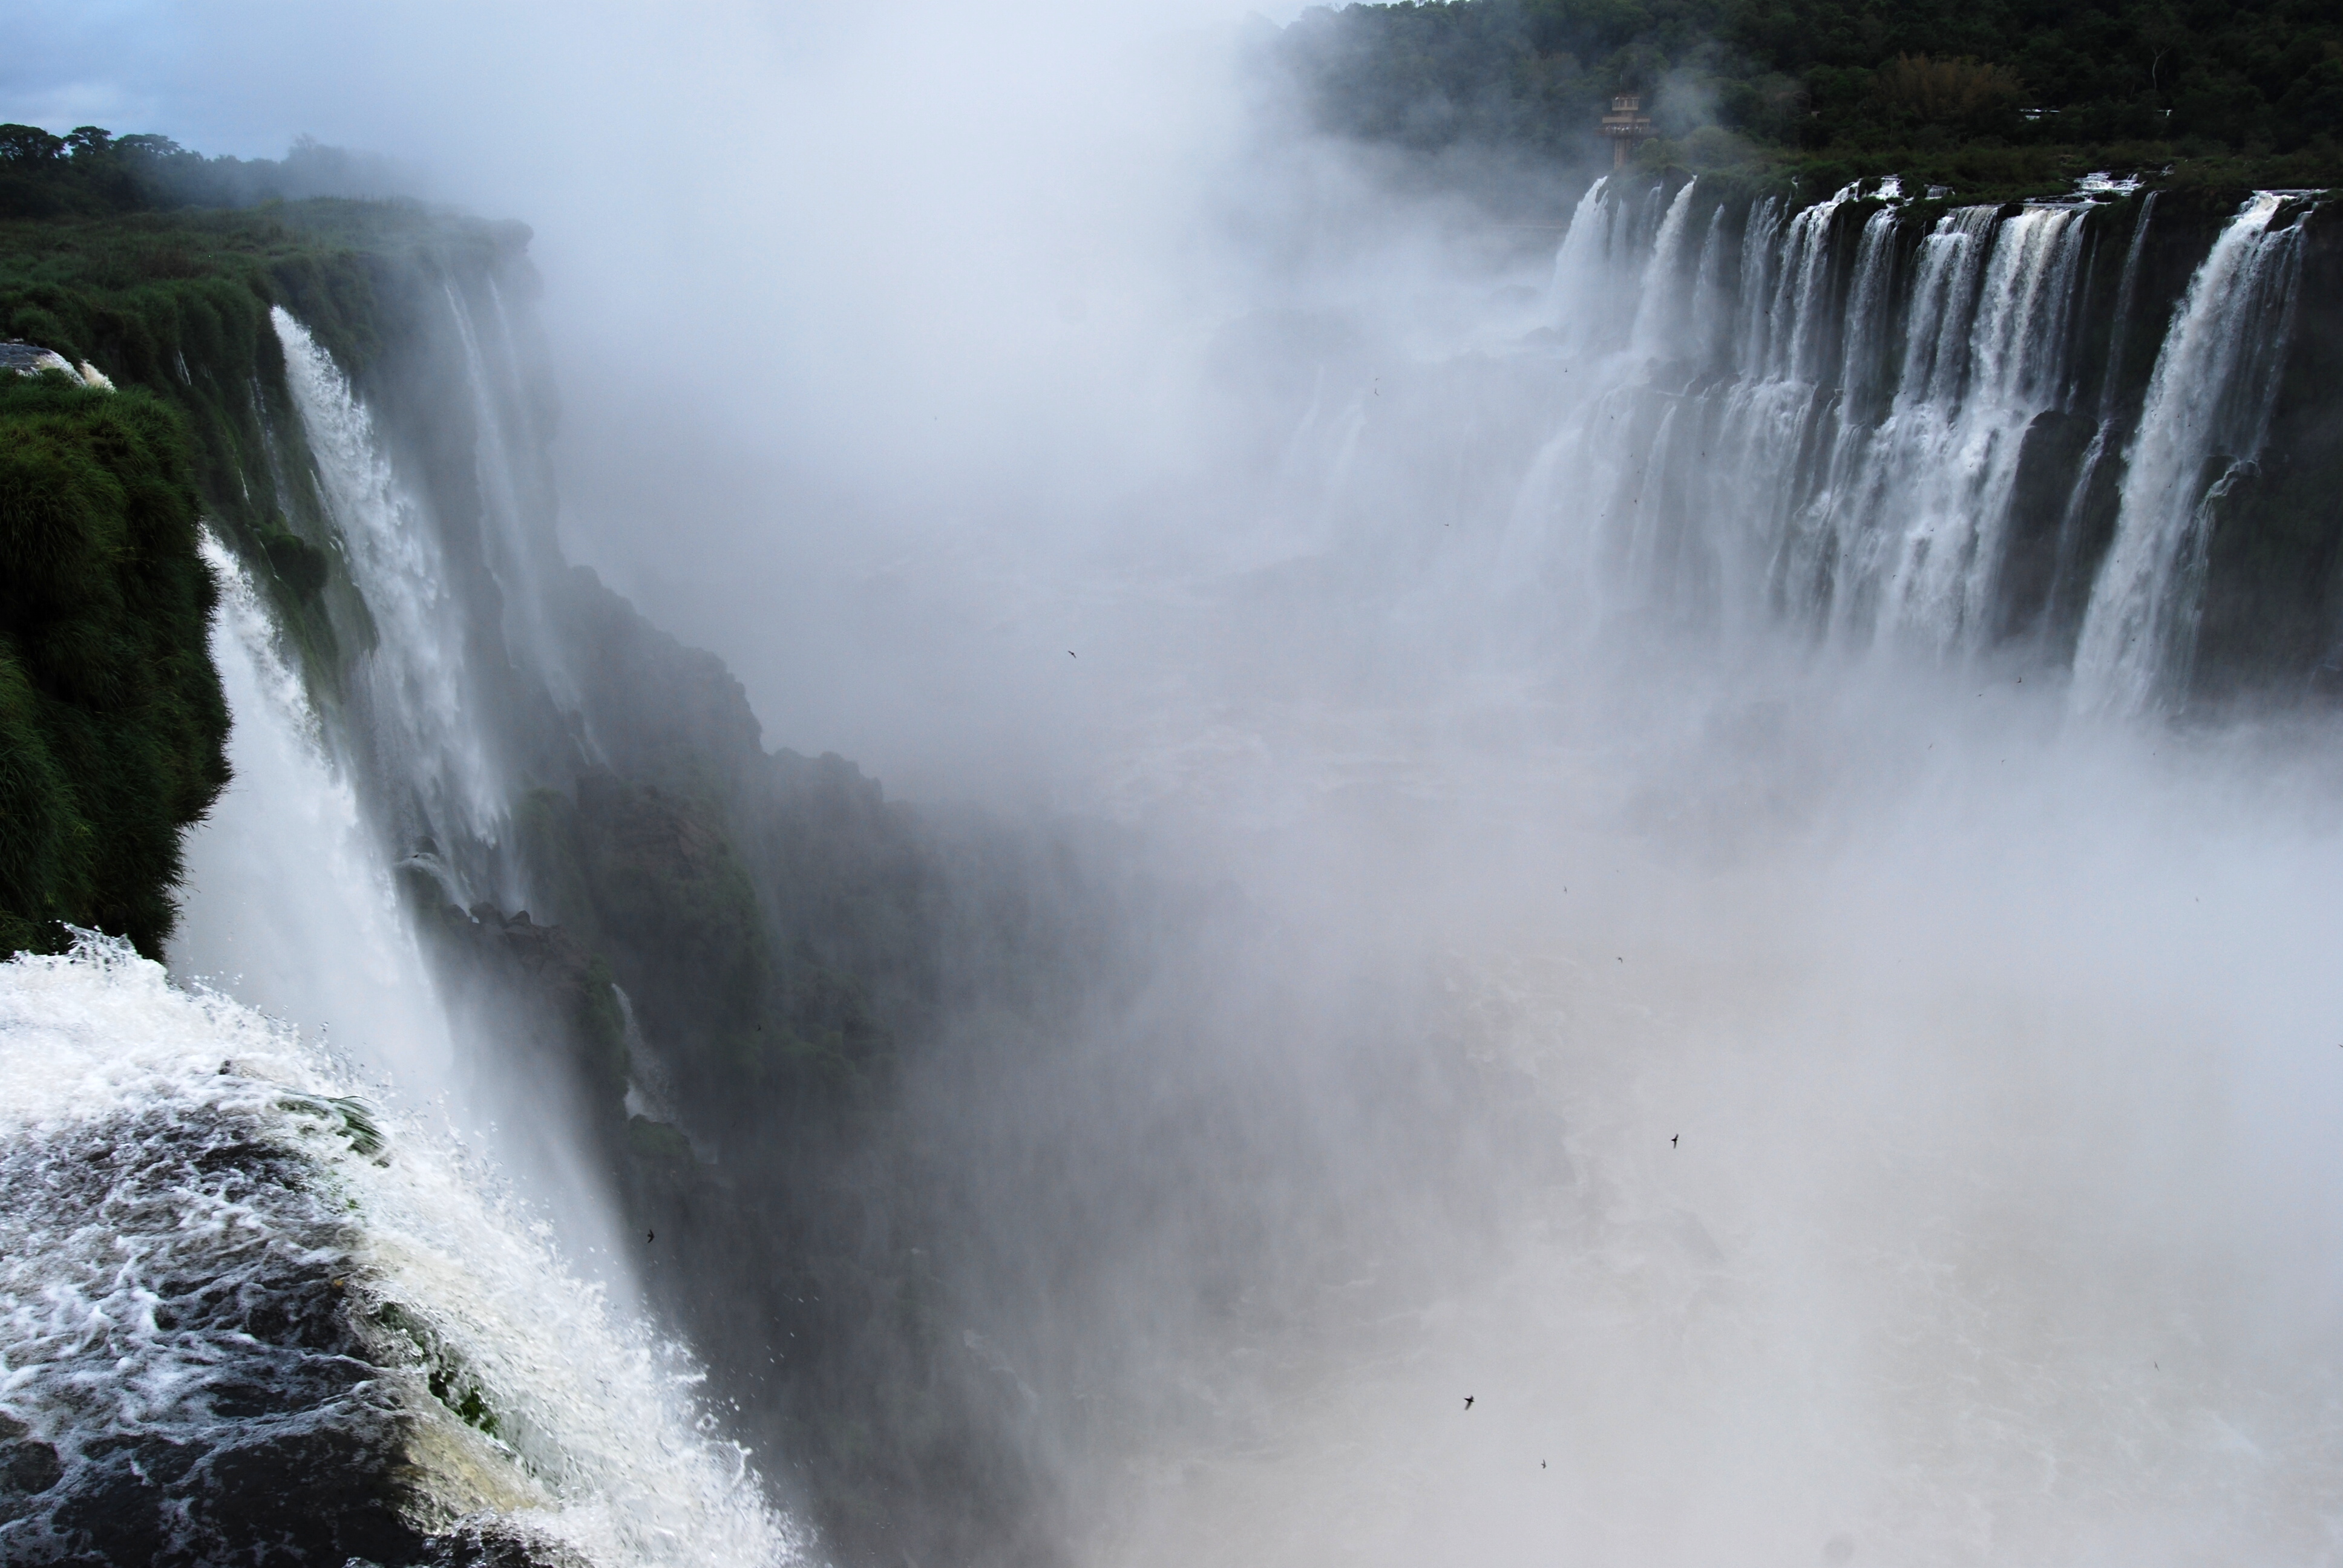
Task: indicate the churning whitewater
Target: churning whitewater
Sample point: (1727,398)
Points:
(262,1287)
(235,1290)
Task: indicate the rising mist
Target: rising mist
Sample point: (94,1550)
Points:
(1826,1098)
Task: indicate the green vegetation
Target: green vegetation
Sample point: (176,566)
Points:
(90,171)
(113,729)
(451,1380)
(2001,94)
(177,303)
(350,1117)
(111,721)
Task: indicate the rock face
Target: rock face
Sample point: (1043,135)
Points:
(201,1371)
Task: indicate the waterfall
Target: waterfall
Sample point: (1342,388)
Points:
(1759,263)
(1867,304)
(514,553)
(2126,293)
(2207,409)
(1942,299)
(440,780)
(1801,304)
(249,1215)
(287,904)
(1712,303)
(1897,441)
(1951,456)
(1660,304)
(1583,263)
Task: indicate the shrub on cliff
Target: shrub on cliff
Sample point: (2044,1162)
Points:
(113,728)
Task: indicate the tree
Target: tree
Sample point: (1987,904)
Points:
(1962,93)
(29,147)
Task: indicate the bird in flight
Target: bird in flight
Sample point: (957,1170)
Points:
(1468,1401)
(1672,1138)
(650,1235)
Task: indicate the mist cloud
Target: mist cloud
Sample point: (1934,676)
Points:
(1015,414)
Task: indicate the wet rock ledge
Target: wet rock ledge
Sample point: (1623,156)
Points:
(196,1369)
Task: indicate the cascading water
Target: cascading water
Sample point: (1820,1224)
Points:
(440,778)
(182,1178)
(516,556)
(1583,261)
(1869,433)
(239,1302)
(1946,457)
(1663,288)
(2208,404)
(287,904)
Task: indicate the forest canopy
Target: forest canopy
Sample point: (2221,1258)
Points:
(1752,80)
(90,172)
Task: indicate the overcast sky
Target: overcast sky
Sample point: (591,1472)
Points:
(245,77)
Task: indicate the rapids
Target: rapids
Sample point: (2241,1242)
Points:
(230,1290)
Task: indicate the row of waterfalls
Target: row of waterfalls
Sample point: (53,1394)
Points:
(1959,429)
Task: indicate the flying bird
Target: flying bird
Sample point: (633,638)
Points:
(1070,653)
(1468,1401)
(650,1235)
(1672,1138)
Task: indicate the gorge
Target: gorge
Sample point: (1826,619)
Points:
(1712,827)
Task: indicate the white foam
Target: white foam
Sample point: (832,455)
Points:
(600,1412)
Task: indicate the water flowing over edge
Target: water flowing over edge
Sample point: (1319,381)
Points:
(1853,430)
(592,1417)
(593,1436)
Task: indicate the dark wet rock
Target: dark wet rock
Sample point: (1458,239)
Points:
(28,1467)
(209,1378)
(476,1546)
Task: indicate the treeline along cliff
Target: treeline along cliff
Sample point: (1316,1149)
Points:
(1995,97)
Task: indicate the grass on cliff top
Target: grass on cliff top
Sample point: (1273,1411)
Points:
(177,304)
(127,291)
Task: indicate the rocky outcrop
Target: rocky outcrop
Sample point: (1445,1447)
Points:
(204,1369)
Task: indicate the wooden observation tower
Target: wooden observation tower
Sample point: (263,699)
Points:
(1627,127)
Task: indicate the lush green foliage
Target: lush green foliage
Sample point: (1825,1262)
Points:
(178,303)
(112,725)
(2038,88)
(111,721)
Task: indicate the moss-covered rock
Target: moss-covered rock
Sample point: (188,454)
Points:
(113,726)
